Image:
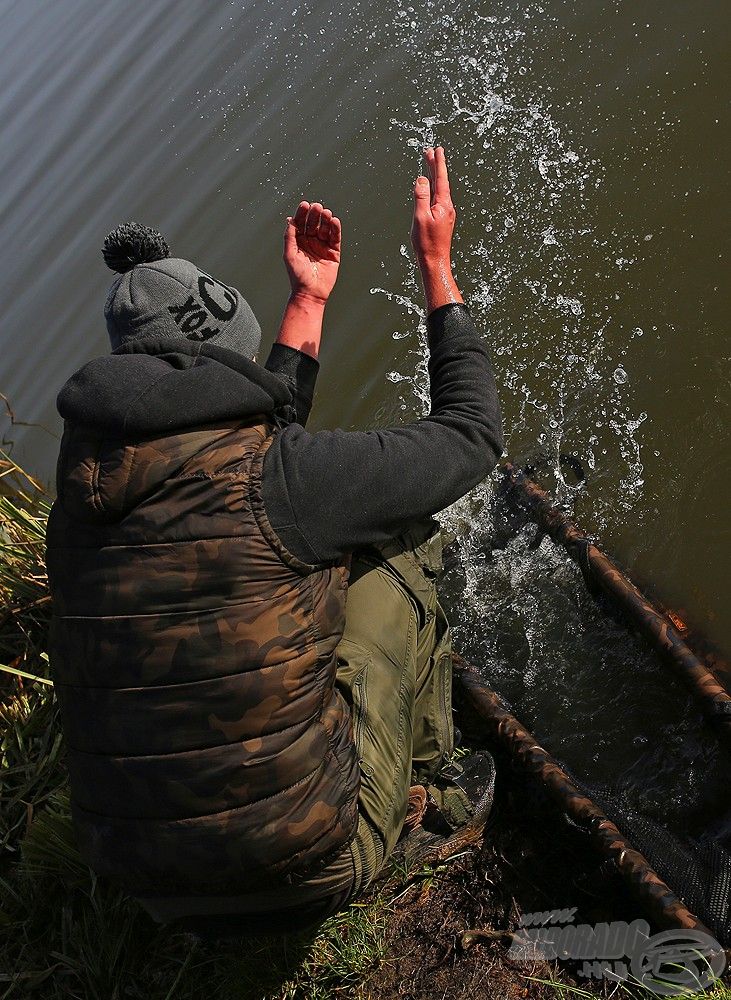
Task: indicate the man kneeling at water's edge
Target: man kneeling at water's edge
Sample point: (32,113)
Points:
(252,665)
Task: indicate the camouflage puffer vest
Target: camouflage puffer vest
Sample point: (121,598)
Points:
(194,663)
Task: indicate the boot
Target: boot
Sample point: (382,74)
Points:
(415,809)
(454,811)
(462,792)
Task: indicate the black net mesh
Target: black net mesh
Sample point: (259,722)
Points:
(698,871)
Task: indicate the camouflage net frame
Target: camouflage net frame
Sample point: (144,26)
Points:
(602,574)
(654,895)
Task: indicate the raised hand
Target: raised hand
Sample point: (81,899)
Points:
(434,213)
(312,242)
(431,231)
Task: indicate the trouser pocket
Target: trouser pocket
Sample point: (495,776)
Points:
(433,723)
(379,686)
(352,681)
(360,717)
(443,667)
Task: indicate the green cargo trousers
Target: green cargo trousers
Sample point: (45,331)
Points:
(395,671)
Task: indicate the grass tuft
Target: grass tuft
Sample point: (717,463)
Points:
(25,603)
(67,935)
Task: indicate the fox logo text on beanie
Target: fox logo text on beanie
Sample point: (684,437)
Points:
(157,295)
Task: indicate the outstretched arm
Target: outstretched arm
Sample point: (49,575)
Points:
(312,240)
(312,257)
(331,492)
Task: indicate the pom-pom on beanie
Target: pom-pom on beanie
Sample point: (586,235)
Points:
(157,295)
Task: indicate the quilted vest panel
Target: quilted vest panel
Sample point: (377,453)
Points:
(193,657)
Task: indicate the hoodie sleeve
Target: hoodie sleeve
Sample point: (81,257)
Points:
(299,372)
(330,492)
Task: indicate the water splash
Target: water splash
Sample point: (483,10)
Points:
(540,279)
(554,345)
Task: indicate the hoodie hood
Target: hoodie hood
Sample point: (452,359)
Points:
(163,384)
(134,417)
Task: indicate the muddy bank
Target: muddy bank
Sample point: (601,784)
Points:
(443,936)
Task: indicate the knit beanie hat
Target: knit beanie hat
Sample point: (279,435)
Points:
(157,295)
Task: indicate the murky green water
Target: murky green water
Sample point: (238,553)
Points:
(588,144)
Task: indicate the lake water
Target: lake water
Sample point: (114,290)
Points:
(588,145)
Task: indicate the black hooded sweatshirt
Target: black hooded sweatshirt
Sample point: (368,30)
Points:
(329,492)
